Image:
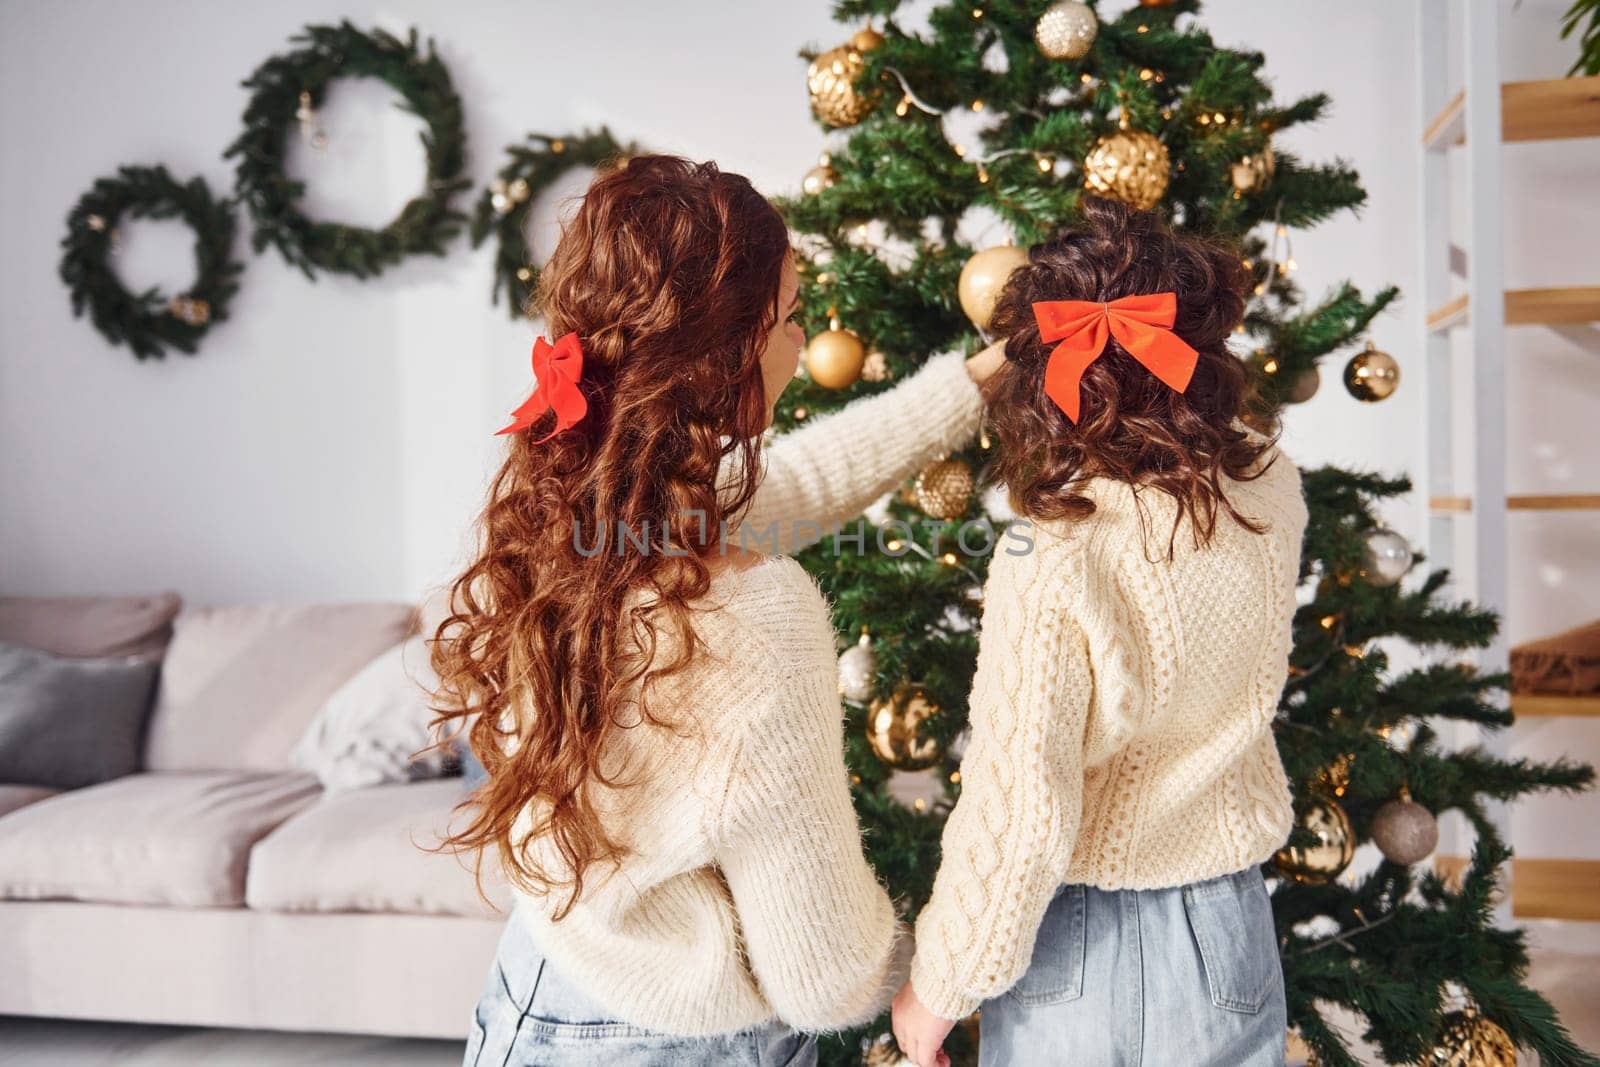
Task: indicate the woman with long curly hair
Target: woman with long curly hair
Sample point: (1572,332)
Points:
(656,705)
(1100,894)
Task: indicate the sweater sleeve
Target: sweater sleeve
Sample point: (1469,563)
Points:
(1008,843)
(820,931)
(831,469)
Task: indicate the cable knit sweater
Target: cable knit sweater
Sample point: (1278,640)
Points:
(746,894)
(1121,723)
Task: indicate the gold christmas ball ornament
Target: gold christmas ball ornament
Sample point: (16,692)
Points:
(1404,831)
(982,279)
(866,39)
(1252,173)
(944,489)
(1371,376)
(1322,862)
(820,177)
(1066,30)
(894,728)
(1129,165)
(1470,1040)
(831,81)
(834,358)
(858,664)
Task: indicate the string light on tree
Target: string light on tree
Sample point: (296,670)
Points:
(1066,30)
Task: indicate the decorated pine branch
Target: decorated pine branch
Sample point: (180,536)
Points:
(1149,109)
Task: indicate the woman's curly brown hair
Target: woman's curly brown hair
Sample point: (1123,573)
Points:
(669,272)
(1132,427)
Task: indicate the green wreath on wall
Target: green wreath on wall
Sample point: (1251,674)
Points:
(503,208)
(285,88)
(149,322)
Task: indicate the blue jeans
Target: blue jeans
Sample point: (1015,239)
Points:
(1147,978)
(529,1015)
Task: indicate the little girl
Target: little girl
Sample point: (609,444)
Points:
(1100,896)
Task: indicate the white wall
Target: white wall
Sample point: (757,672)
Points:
(331,439)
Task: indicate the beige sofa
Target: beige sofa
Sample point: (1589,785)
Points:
(219,887)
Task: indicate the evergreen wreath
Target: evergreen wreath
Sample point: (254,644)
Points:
(148,322)
(503,208)
(423,225)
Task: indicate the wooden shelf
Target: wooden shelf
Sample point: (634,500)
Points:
(1526,307)
(1546,110)
(1555,706)
(1523,502)
(1543,889)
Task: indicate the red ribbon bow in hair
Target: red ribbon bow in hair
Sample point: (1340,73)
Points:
(1141,324)
(558,369)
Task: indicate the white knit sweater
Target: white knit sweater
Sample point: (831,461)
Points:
(1121,723)
(747,894)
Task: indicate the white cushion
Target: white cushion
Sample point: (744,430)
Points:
(175,838)
(363,850)
(370,728)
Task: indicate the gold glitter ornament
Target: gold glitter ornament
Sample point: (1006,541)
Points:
(894,727)
(189,310)
(820,177)
(1129,165)
(1066,30)
(944,489)
(876,368)
(1470,1040)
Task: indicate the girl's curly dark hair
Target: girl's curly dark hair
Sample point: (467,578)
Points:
(1132,427)
(669,273)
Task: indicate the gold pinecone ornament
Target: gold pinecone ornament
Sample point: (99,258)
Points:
(1470,1040)
(1131,166)
(1322,862)
(944,489)
(1066,30)
(894,728)
(831,81)
(1372,375)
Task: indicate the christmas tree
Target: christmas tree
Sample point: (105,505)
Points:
(1150,110)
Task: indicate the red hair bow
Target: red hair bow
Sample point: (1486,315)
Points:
(557,370)
(1142,324)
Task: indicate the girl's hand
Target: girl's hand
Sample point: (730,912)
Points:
(919,1031)
(981,366)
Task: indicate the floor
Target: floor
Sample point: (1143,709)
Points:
(1571,980)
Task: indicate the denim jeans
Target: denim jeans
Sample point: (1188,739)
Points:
(529,1015)
(1184,976)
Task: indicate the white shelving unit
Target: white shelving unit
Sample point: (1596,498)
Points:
(1470,309)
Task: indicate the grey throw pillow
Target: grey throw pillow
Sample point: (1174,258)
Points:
(68,722)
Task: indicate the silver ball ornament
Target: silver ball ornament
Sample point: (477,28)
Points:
(858,665)
(1387,557)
